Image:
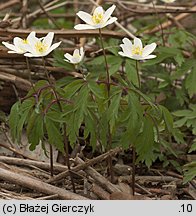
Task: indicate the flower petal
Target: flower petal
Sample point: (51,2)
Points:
(87,18)
(149,49)
(82,53)
(126,49)
(14,52)
(17,42)
(84,27)
(149,57)
(110,21)
(29,55)
(68,56)
(109,12)
(54,46)
(76,52)
(127,42)
(127,45)
(31,35)
(98,10)
(10,46)
(48,39)
(123,54)
(138,43)
(136,57)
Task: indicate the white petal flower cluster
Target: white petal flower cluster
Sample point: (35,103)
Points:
(98,20)
(136,50)
(33,46)
(39,47)
(77,56)
(19,45)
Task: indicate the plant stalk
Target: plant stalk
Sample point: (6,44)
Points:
(111,172)
(51,161)
(133,148)
(138,75)
(29,71)
(133,170)
(66,146)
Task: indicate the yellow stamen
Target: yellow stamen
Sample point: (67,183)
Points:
(137,50)
(25,41)
(40,47)
(97,18)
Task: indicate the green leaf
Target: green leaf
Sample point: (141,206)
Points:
(71,131)
(59,61)
(113,110)
(113,46)
(178,135)
(185,67)
(168,147)
(176,165)
(145,141)
(193,146)
(96,89)
(13,120)
(189,172)
(115,63)
(55,116)
(55,137)
(184,113)
(103,129)
(190,82)
(25,110)
(35,131)
(73,87)
(90,129)
(131,72)
(167,118)
(134,114)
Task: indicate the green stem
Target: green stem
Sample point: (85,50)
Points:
(106,63)
(108,94)
(133,170)
(45,70)
(133,148)
(66,144)
(138,75)
(29,71)
(51,161)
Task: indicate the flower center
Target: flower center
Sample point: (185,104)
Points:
(25,41)
(40,47)
(136,50)
(97,18)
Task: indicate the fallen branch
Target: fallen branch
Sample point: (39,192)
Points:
(9,4)
(61,33)
(85,164)
(17,81)
(98,178)
(100,192)
(26,162)
(169,23)
(38,185)
(16,151)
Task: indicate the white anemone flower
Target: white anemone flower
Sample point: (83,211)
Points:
(40,47)
(98,20)
(77,56)
(168,1)
(19,45)
(136,50)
